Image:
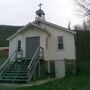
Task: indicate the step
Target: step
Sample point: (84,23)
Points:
(14,77)
(23,61)
(19,67)
(13,81)
(14,74)
(16,71)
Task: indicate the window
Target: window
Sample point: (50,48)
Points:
(46,43)
(19,46)
(60,42)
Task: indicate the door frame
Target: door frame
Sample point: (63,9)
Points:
(26,43)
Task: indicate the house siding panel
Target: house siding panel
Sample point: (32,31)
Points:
(69,44)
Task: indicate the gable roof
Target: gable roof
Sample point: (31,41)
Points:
(26,27)
(43,29)
(54,25)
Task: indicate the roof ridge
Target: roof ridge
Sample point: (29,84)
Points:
(54,25)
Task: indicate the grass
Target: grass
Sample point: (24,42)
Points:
(80,81)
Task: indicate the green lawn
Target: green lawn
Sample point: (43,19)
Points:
(80,81)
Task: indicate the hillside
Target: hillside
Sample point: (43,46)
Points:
(5,32)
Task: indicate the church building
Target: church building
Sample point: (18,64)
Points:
(57,43)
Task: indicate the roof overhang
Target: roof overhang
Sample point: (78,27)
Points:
(26,27)
(54,25)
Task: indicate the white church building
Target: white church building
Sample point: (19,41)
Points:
(57,42)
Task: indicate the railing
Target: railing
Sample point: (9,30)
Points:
(39,54)
(3,57)
(19,54)
(9,60)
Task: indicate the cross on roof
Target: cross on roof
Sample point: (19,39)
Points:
(40,5)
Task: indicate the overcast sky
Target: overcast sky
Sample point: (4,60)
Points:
(20,12)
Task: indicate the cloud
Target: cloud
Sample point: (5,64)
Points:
(20,12)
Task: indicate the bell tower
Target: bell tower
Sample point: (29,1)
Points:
(40,13)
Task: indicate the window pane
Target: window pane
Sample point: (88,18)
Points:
(60,42)
(60,46)
(19,45)
(60,39)
(46,43)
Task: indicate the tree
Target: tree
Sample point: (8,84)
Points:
(83,7)
(86,24)
(78,27)
(69,25)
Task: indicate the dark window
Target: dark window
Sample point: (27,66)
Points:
(60,42)
(19,45)
(46,43)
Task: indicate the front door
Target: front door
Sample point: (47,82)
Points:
(32,43)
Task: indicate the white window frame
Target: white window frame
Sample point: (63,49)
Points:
(60,43)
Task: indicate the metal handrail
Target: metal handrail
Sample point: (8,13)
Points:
(8,61)
(34,56)
(33,63)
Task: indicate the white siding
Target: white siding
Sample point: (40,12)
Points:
(69,44)
(52,53)
(13,44)
(33,32)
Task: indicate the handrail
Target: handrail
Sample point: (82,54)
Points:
(33,63)
(8,61)
(34,56)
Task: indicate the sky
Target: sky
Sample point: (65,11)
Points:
(20,12)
